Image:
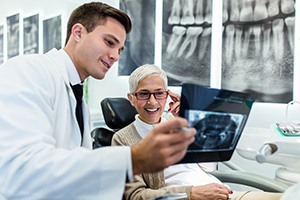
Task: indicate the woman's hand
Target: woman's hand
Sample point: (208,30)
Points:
(211,191)
(174,106)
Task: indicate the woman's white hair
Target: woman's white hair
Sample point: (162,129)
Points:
(143,72)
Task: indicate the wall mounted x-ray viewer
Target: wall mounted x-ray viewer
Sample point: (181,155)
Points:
(219,117)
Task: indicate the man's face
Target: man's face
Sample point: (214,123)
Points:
(149,110)
(97,51)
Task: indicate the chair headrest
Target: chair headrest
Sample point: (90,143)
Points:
(117,112)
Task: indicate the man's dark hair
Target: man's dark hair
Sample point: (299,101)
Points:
(93,14)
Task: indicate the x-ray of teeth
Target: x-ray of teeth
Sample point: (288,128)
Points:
(1,45)
(13,37)
(52,33)
(258,48)
(31,34)
(258,45)
(215,131)
(139,45)
(186,41)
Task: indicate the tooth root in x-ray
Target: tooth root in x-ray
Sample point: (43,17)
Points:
(256,34)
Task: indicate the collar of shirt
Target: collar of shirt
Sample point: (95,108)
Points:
(143,128)
(71,69)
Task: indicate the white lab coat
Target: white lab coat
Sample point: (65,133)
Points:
(40,153)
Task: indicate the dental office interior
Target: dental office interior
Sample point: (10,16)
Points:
(248,46)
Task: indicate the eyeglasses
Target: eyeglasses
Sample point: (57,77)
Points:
(146,95)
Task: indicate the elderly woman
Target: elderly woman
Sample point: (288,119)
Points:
(148,94)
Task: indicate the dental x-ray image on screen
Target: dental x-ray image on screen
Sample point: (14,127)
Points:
(219,116)
(215,131)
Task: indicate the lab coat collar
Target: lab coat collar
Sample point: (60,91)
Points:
(73,75)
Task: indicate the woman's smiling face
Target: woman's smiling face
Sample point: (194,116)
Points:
(152,109)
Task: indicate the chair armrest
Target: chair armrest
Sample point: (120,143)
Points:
(102,137)
(250,179)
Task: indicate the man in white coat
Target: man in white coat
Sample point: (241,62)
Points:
(42,152)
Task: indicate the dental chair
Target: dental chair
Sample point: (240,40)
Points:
(118,113)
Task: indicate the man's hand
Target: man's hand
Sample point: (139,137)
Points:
(211,191)
(174,106)
(165,145)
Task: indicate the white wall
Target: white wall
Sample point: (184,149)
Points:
(262,115)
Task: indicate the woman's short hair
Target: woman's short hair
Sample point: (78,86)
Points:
(143,72)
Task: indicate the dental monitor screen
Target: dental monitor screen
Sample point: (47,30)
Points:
(219,116)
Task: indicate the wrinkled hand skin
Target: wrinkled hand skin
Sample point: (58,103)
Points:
(213,191)
(165,145)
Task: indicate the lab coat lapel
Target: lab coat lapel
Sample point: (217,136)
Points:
(87,139)
(76,135)
(72,102)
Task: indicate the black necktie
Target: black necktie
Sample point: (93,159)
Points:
(78,92)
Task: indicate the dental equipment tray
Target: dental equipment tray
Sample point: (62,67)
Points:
(219,116)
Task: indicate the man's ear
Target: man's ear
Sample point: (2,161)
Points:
(77,31)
